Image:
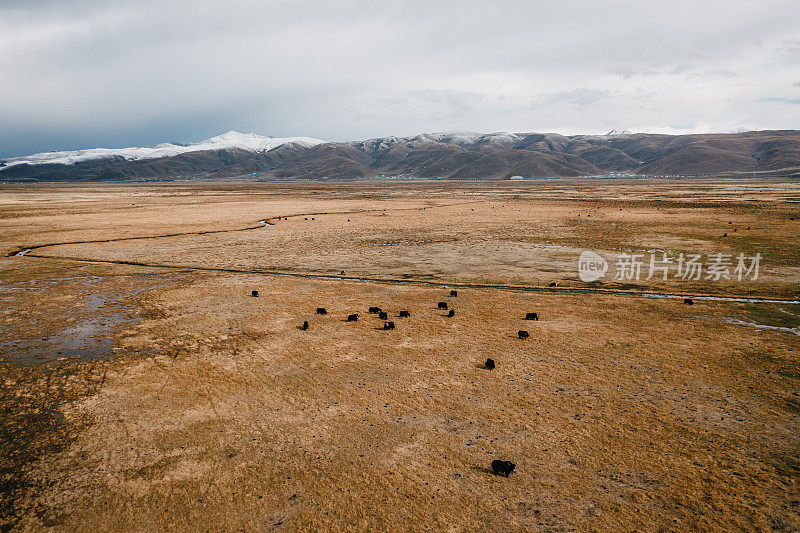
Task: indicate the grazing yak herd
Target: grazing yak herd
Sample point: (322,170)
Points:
(388,324)
(500,468)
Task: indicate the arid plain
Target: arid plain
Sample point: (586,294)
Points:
(145,388)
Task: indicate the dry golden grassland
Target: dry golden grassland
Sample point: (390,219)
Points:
(144,388)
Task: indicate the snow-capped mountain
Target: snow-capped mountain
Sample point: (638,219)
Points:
(447,155)
(227,141)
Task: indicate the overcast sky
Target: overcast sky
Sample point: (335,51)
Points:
(86,73)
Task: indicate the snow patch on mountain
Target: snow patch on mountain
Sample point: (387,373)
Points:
(466,138)
(227,141)
(460,138)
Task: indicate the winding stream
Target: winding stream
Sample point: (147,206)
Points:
(267,222)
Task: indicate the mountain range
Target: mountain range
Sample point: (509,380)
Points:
(451,155)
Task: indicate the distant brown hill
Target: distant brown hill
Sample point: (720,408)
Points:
(456,156)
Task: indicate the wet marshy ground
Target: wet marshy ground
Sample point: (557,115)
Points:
(59,337)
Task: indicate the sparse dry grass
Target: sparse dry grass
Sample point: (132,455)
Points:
(214,410)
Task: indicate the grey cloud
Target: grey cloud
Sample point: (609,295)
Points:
(125,72)
(791,47)
(579,98)
(778,100)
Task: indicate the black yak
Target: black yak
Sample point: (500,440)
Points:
(442,305)
(553,284)
(305,325)
(503,467)
(451,314)
(352,318)
(688,301)
(322,311)
(531,316)
(388,325)
(522,334)
(374,310)
(254,294)
(489,364)
(383,315)
(404,314)
(454,293)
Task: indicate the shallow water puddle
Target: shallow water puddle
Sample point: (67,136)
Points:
(74,317)
(793,331)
